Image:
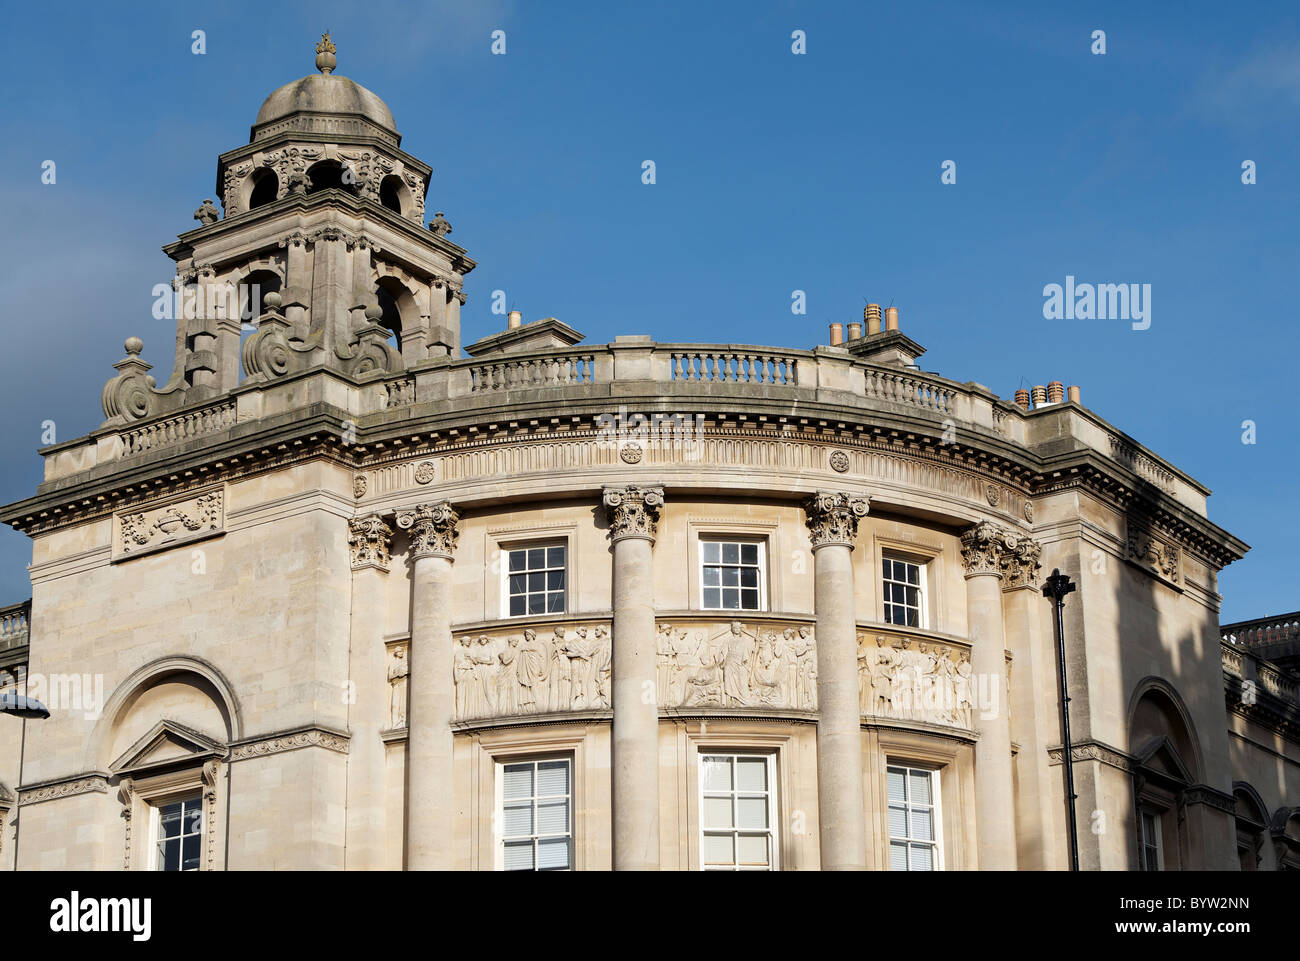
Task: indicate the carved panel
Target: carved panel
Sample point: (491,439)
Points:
(913,680)
(399,669)
(1152,553)
(736,665)
(546,671)
(159,527)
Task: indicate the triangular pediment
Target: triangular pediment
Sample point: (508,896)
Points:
(168,743)
(1160,758)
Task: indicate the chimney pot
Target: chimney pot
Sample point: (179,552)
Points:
(1022,399)
(1039,394)
(837,334)
(1055,392)
(1074,395)
(891,318)
(872,316)
(514,319)
(855,331)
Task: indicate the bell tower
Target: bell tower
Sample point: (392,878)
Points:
(322,248)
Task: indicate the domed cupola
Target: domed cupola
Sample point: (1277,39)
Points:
(325,103)
(322,260)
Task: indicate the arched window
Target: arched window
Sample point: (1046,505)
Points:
(265,187)
(388,303)
(1167,763)
(1252,821)
(252,294)
(392,193)
(326,175)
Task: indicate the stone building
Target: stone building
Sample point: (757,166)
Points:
(355,600)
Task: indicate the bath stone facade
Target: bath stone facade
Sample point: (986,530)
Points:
(361,597)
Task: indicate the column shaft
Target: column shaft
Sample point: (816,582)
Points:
(429,807)
(994,788)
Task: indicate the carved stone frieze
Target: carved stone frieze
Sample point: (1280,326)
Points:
(567,669)
(86,784)
(433,529)
(912,680)
(369,540)
(633,511)
(833,516)
(766,666)
(167,525)
(289,741)
(1152,553)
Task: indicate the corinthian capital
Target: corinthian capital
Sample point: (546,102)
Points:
(633,511)
(981,549)
(1019,560)
(369,539)
(433,529)
(833,516)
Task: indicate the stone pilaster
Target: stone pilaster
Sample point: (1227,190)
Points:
(633,520)
(369,539)
(832,519)
(429,808)
(982,550)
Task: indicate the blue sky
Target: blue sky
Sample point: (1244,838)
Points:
(775,172)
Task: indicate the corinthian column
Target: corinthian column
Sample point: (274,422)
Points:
(429,809)
(369,539)
(982,548)
(633,519)
(833,524)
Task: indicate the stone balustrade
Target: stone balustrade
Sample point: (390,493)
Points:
(1259,673)
(637,366)
(14,625)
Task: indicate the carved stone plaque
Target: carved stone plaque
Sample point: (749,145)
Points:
(190,517)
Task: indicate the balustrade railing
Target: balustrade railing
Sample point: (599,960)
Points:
(726,366)
(903,387)
(529,372)
(178,428)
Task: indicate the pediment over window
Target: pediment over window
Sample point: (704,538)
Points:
(1160,761)
(168,744)
(6,795)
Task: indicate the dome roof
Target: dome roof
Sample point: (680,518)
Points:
(325,93)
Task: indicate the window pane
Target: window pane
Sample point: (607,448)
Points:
(517,781)
(730,599)
(922,857)
(751,774)
(555,557)
(170,820)
(913,574)
(517,560)
(518,820)
(553,854)
(717,812)
(553,817)
(749,600)
(753,850)
(718,849)
(920,787)
(717,773)
(751,813)
(172,855)
(517,605)
(518,583)
(731,553)
(922,829)
(536,603)
(730,577)
(555,581)
(552,778)
(897,594)
(898,857)
(518,856)
(712,597)
(190,851)
(712,577)
(536,558)
(897,822)
(555,603)
(749,577)
(896,784)
(537,582)
(712,552)
(913,618)
(193,817)
(749,553)
(913,597)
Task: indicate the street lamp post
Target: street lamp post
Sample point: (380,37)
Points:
(1058,585)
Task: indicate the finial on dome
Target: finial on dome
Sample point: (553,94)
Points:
(325,50)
